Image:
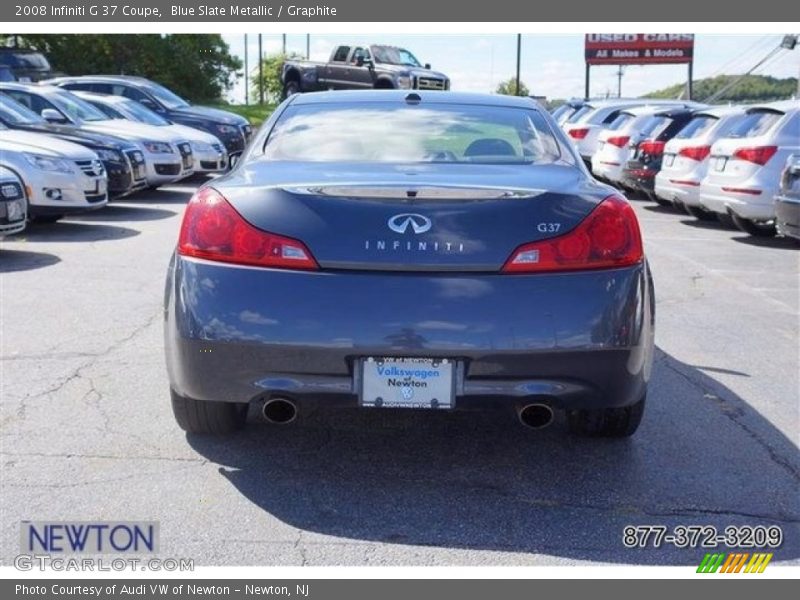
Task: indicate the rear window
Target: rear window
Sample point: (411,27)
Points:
(435,133)
(621,121)
(653,127)
(755,123)
(580,113)
(563,112)
(698,126)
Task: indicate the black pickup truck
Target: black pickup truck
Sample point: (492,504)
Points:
(361,67)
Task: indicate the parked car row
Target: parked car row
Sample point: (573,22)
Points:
(737,164)
(72,151)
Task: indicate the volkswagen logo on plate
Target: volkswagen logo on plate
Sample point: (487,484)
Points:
(400,223)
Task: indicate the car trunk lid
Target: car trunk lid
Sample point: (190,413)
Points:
(413,218)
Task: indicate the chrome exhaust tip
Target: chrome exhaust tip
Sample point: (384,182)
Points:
(280,411)
(535,416)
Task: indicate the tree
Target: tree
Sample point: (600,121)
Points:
(752,88)
(509,88)
(198,67)
(271,76)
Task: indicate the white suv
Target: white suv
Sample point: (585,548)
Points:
(745,166)
(585,124)
(686,158)
(61,177)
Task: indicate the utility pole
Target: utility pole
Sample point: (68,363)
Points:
(586,80)
(284,45)
(519,57)
(246,74)
(260,72)
(308,46)
(788,43)
(620,73)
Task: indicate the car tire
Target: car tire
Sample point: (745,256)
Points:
(46,218)
(660,201)
(699,213)
(754,228)
(607,422)
(290,88)
(726,220)
(203,416)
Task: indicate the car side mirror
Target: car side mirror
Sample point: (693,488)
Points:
(51,115)
(428,66)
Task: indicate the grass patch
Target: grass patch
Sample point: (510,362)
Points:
(255,113)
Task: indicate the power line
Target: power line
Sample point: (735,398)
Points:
(719,93)
(744,55)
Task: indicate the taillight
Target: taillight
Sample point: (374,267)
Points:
(609,237)
(652,147)
(737,190)
(579,133)
(619,141)
(213,230)
(698,153)
(758,154)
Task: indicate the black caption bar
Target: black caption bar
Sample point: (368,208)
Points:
(343,589)
(372,10)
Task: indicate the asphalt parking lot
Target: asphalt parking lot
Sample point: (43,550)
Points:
(88,434)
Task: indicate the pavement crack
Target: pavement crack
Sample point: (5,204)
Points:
(300,548)
(77,373)
(737,417)
(199,461)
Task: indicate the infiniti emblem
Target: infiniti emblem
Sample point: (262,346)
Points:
(400,223)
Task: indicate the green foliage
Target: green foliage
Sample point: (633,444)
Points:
(509,88)
(255,113)
(198,67)
(271,76)
(554,103)
(753,88)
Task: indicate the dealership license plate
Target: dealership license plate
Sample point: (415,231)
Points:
(669,160)
(407,383)
(15,210)
(720,162)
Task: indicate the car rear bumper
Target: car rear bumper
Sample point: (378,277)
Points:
(577,340)
(607,169)
(679,193)
(787,217)
(756,207)
(635,181)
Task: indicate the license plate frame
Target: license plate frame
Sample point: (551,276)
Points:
(409,388)
(720,162)
(669,160)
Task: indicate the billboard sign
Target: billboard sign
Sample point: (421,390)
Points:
(639,48)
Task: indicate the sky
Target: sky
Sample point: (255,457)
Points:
(552,65)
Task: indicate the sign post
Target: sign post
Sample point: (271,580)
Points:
(639,49)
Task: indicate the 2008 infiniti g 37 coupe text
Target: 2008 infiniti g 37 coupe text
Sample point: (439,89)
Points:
(433,251)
